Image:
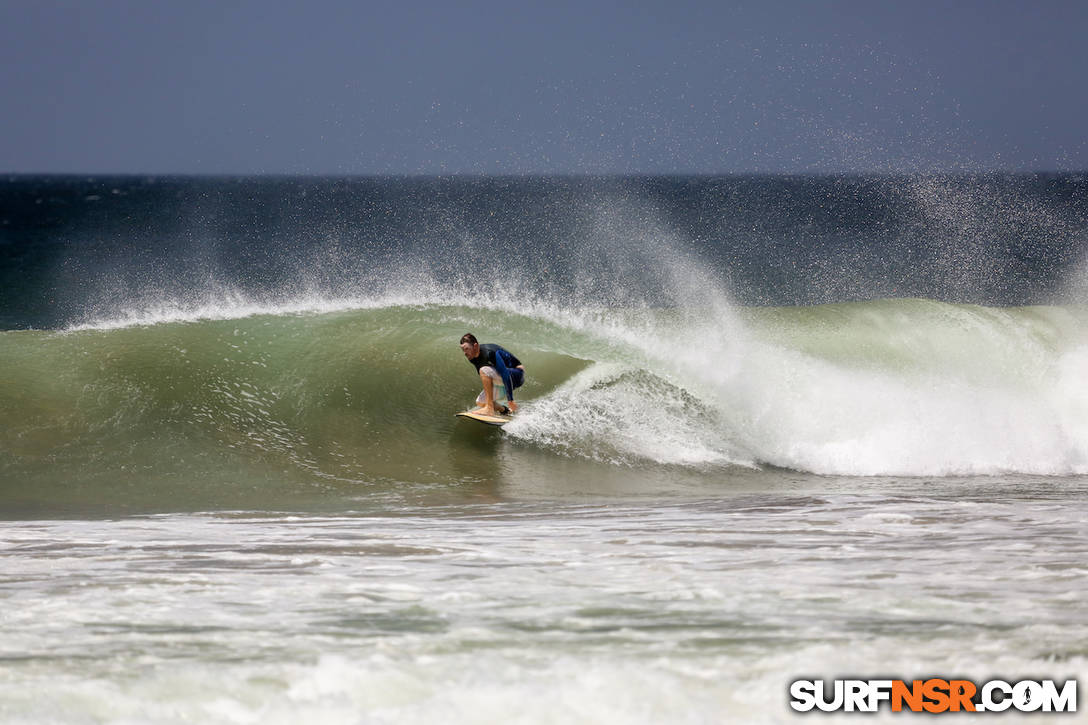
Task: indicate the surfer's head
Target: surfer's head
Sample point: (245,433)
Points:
(470,345)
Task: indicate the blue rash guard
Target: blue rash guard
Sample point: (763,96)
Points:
(504,363)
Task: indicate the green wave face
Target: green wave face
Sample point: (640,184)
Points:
(229,411)
(288,410)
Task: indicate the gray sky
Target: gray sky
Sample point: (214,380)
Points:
(338,87)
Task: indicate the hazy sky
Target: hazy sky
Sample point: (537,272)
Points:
(331,87)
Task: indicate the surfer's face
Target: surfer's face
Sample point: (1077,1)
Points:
(470,350)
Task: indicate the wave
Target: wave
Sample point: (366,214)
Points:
(895,387)
(362,392)
(923,388)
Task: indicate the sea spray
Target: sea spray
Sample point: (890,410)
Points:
(175,243)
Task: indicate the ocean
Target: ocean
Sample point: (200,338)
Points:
(774,428)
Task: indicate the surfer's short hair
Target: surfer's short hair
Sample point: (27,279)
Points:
(469,338)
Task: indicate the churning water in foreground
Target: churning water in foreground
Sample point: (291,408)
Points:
(693,610)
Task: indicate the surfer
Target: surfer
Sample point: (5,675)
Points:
(496,365)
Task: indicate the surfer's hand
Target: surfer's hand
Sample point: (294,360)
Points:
(512,406)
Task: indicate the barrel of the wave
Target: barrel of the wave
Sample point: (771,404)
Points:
(500,373)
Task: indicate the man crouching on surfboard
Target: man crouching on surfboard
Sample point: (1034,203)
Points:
(495,366)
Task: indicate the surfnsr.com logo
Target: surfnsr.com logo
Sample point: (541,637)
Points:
(933,695)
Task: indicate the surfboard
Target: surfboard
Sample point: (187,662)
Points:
(489,419)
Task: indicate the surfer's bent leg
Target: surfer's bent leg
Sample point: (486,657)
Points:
(486,399)
(517,378)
